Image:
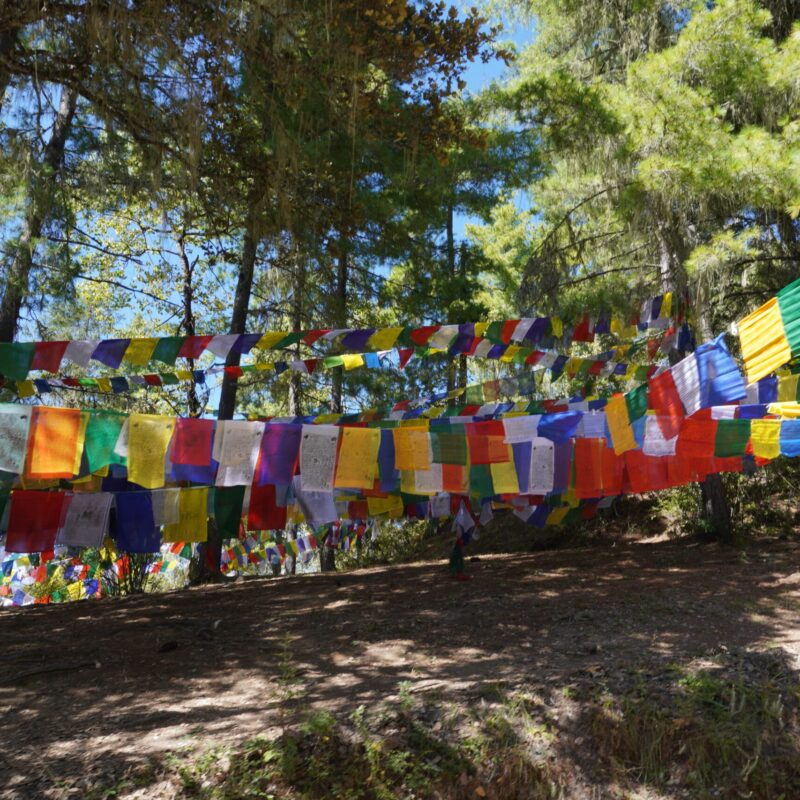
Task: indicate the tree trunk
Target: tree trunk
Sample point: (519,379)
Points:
(8,38)
(241,305)
(450,252)
(188,323)
(327,555)
(227,400)
(715,510)
(327,559)
(295,380)
(342,273)
(40,200)
(463,367)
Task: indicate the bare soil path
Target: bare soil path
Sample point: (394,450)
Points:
(90,690)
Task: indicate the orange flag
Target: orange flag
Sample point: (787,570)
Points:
(54,442)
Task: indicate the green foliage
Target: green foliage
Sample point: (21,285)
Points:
(762,503)
(323,757)
(397,541)
(720,733)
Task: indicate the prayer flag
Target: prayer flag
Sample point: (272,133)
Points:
(48,356)
(542,467)
(790,437)
(133,528)
(732,437)
(193,524)
(619,424)
(358,453)
(264,513)
(449,448)
(278,457)
(318,445)
(697,438)
(102,434)
(589,467)
(16,358)
(148,439)
(770,336)
(34,521)
(504,475)
(192,442)
(86,521)
(15,421)
(236,448)
(140,351)
(228,502)
(765,438)
(53,441)
(412,448)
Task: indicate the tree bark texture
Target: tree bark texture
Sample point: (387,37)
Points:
(40,200)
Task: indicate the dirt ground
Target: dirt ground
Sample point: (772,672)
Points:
(89,690)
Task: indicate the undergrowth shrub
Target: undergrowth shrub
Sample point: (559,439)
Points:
(720,733)
(763,502)
(396,541)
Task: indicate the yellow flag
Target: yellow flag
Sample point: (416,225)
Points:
(786,410)
(193,523)
(390,505)
(765,435)
(79,442)
(358,455)
(619,425)
(787,388)
(411,449)
(352,360)
(556,515)
(510,352)
(384,338)
(148,438)
(268,340)
(764,343)
(504,476)
(140,351)
(25,389)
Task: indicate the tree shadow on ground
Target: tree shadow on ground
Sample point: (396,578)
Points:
(218,665)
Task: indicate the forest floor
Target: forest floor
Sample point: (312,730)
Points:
(650,669)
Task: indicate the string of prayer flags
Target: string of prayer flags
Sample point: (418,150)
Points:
(18,358)
(605,364)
